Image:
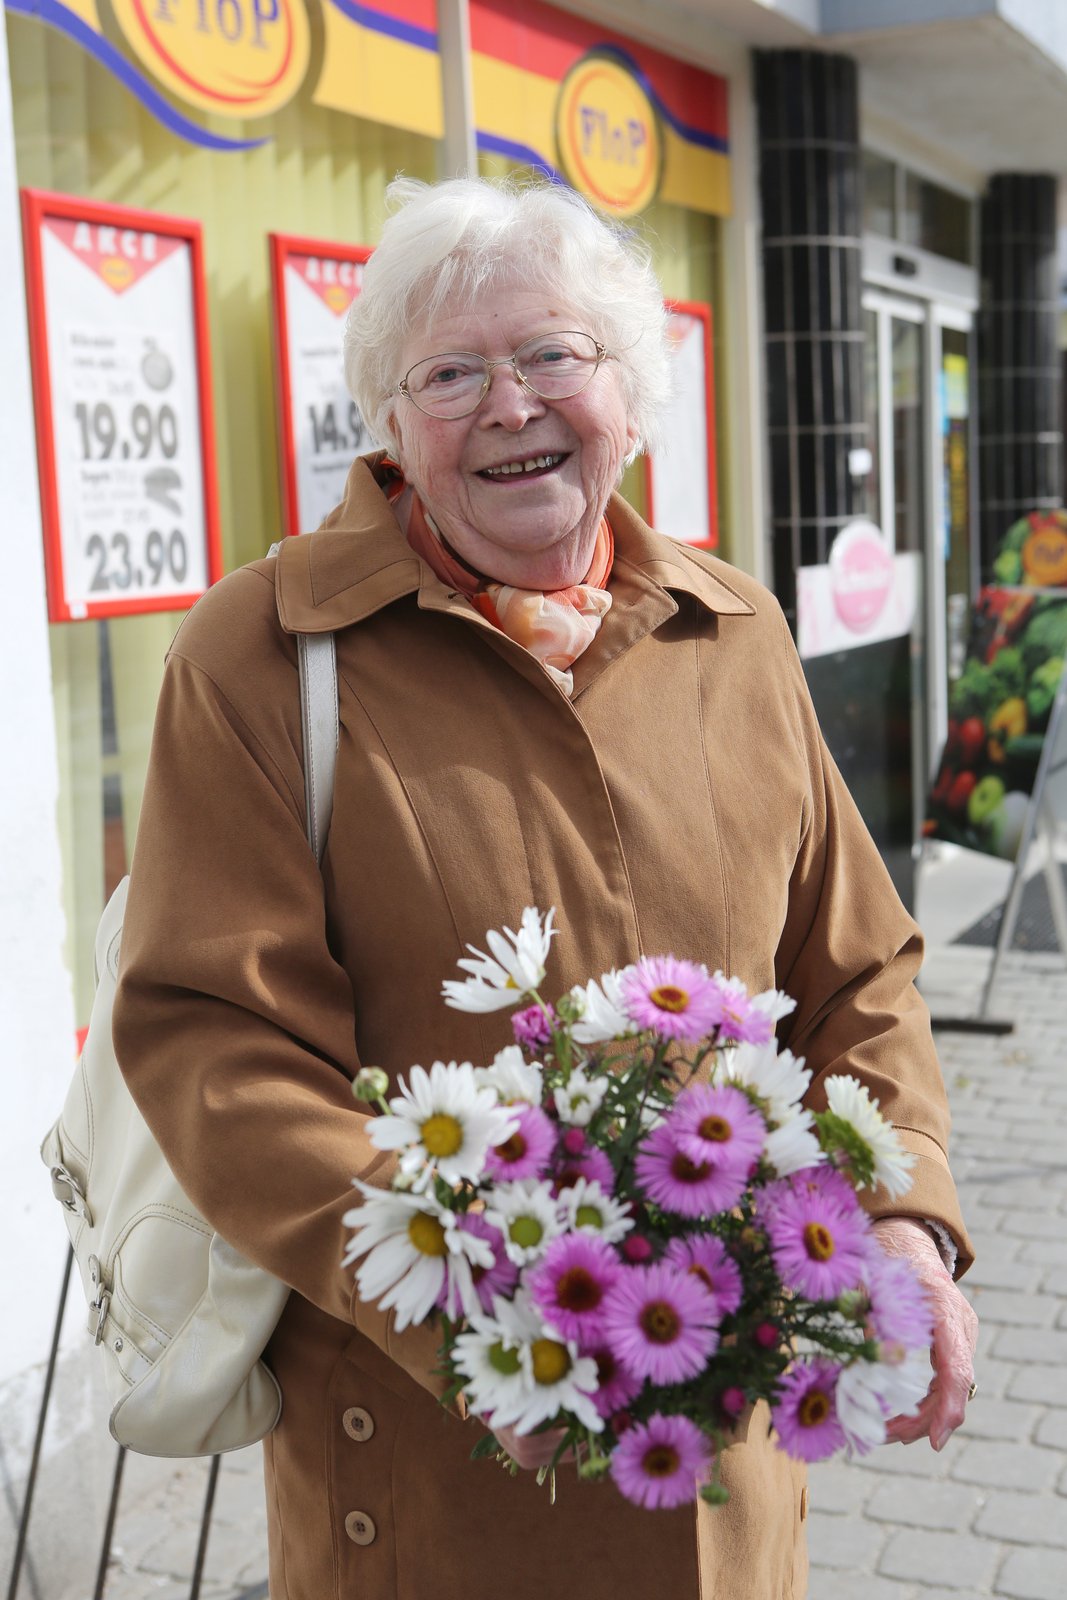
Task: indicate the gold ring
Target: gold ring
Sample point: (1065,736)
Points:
(972,1391)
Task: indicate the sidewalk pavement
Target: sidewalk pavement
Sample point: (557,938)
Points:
(988,1516)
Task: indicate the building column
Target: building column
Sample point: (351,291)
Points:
(810,191)
(1020,381)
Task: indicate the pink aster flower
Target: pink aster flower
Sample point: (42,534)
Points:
(676,1183)
(533,1028)
(900,1312)
(616,1386)
(528,1151)
(500,1278)
(718,1125)
(660,1323)
(805,1415)
(818,1239)
(571,1282)
(676,999)
(659,1462)
(737,1015)
(590,1163)
(711,1264)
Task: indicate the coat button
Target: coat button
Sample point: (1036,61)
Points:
(360,1528)
(358,1424)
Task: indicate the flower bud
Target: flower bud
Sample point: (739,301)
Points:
(636,1249)
(574,1141)
(767,1335)
(370,1083)
(732,1401)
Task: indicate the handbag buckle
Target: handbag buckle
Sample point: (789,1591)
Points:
(68,1191)
(98,1313)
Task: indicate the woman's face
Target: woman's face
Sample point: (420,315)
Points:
(535,530)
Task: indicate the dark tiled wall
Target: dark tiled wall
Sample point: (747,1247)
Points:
(810,178)
(1020,391)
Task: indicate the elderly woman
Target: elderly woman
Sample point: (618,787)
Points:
(542,702)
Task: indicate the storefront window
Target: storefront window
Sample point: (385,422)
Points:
(879,177)
(899,204)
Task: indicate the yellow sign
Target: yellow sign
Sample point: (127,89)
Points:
(608,135)
(238,58)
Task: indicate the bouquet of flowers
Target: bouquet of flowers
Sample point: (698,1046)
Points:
(629,1228)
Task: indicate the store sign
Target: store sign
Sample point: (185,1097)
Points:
(123,407)
(864,595)
(320,428)
(607,132)
(238,58)
(680,483)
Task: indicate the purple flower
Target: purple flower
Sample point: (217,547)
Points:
(658,1463)
(710,1263)
(532,1028)
(736,1014)
(528,1151)
(818,1238)
(616,1386)
(591,1163)
(899,1308)
(688,1188)
(570,1283)
(718,1125)
(500,1278)
(660,1323)
(805,1415)
(676,999)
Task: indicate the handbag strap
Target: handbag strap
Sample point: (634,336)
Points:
(317,654)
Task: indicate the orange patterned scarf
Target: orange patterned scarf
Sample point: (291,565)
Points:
(556,625)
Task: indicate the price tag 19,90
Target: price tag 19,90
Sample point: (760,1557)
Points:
(122,401)
(320,426)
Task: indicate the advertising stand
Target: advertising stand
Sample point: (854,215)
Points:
(680,482)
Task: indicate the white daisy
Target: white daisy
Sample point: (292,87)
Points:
(792,1147)
(557,1377)
(527,1216)
(587,1209)
(488,1357)
(513,1077)
(510,972)
(774,1003)
(580,1098)
(444,1122)
(778,1078)
(602,1016)
(412,1247)
(851,1101)
(870,1392)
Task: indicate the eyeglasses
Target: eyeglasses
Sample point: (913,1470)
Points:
(553,366)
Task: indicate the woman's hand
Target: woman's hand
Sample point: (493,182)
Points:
(532,1450)
(955,1336)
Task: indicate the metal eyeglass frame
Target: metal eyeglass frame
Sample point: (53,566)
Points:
(602,355)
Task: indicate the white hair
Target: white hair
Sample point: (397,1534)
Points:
(454,240)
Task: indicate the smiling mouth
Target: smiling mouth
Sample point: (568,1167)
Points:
(532,467)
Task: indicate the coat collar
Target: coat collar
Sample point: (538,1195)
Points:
(359,561)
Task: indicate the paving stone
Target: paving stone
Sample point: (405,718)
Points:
(947,1506)
(1005,1274)
(999,1419)
(1033,1575)
(1033,1225)
(1045,1385)
(828,1585)
(1051,1433)
(1031,1344)
(837,1487)
(845,1543)
(1054,1280)
(1006,1466)
(941,1558)
(1019,1310)
(910,1460)
(1021,1519)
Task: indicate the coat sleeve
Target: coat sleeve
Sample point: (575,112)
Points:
(234,1026)
(849,955)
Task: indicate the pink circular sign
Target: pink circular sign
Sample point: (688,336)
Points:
(861,575)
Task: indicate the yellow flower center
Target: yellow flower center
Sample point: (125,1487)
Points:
(669,997)
(525,1232)
(818,1241)
(550,1361)
(427,1235)
(588,1217)
(813,1409)
(660,1462)
(441,1134)
(716,1129)
(503,1361)
(512,1149)
(659,1321)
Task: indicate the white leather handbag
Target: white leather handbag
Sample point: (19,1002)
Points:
(182,1317)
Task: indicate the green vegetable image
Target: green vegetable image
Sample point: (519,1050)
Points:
(1044,681)
(1016,537)
(1007,675)
(970,694)
(1008,567)
(1045,635)
(985,798)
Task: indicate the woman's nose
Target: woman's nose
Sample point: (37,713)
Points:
(509,403)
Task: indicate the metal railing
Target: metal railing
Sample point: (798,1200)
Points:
(103,1565)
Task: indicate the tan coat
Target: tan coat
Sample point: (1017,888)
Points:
(681,801)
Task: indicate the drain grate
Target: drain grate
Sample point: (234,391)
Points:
(1034,927)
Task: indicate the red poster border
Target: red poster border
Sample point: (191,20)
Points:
(282,246)
(703,311)
(37,204)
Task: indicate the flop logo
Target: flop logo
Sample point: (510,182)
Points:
(238,58)
(608,136)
